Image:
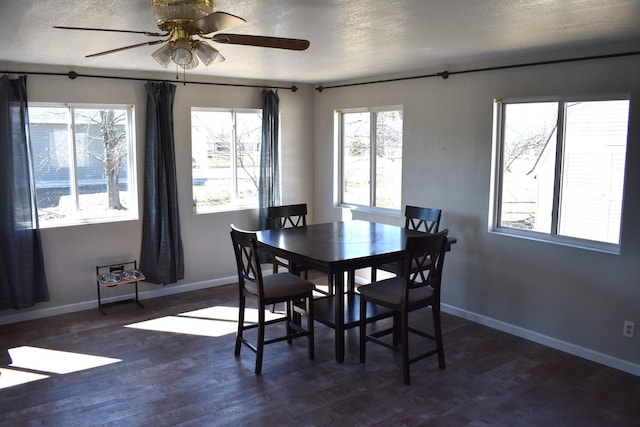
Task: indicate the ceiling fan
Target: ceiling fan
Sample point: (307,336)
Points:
(186,24)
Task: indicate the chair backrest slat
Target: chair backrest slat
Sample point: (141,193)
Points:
(287,216)
(245,246)
(422,219)
(424,262)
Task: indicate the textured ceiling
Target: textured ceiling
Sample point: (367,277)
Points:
(350,39)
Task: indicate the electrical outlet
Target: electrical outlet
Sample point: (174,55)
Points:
(629,329)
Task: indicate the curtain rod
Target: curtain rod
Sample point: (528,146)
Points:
(73,75)
(445,74)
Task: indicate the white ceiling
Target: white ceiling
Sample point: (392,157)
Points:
(350,39)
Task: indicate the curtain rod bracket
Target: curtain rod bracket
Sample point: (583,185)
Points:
(319,88)
(444,74)
(72,75)
(294,88)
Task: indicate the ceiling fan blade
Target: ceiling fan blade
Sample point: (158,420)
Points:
(216,21)
(146,33)
(125,48)
(262,41)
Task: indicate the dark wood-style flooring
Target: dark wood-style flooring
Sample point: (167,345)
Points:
(190,377)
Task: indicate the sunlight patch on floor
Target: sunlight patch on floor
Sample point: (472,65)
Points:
(209,322)
(26,360)
(12,377)
(230,314)
(55,361)
(186,325)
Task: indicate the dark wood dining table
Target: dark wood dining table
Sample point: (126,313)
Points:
(338,248)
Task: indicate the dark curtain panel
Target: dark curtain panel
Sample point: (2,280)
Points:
(161,255)
(23,281)
(269,183)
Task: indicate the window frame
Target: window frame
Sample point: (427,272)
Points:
(495,203)
(133,212)
(234,206)
(340,161)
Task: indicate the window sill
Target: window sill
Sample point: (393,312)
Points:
(588,245)
(222,209)
(76,222)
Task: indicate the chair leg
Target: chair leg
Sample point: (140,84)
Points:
(260,346)
(396,330)
(240,326)
(363,328)
(351,281)
(289,314)
(275,270)
(437,328)
(310,327)
(404,332)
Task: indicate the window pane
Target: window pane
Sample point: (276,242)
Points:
(356,159)
(211,136)
(225,158)
(248,136)
(389,159)
(50,141)
(81,171)
(528,166)
(593,170)
(102,150)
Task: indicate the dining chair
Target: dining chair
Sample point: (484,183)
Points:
(286,216)
(426,220)
(265,291)
(418,286)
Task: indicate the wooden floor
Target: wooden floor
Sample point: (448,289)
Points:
(190,377)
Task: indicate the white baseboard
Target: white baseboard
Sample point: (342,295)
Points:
(160,291)
(576,350)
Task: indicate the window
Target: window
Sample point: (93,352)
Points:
(225,147)
(84,164)
(371,157)
(560,170)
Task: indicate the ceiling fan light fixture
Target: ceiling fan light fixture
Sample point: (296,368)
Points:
(163,55)
(182,54)
(219,58)
(169,12)
(192,64)
(205,52)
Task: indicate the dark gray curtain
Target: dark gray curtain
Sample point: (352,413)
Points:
(161,255)
(269,182)
(23,281)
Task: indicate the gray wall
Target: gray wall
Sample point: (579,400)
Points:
(569,298)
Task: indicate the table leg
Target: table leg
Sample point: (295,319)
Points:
(339,315)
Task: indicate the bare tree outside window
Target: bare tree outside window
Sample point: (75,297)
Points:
(107,130)
(528,151)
